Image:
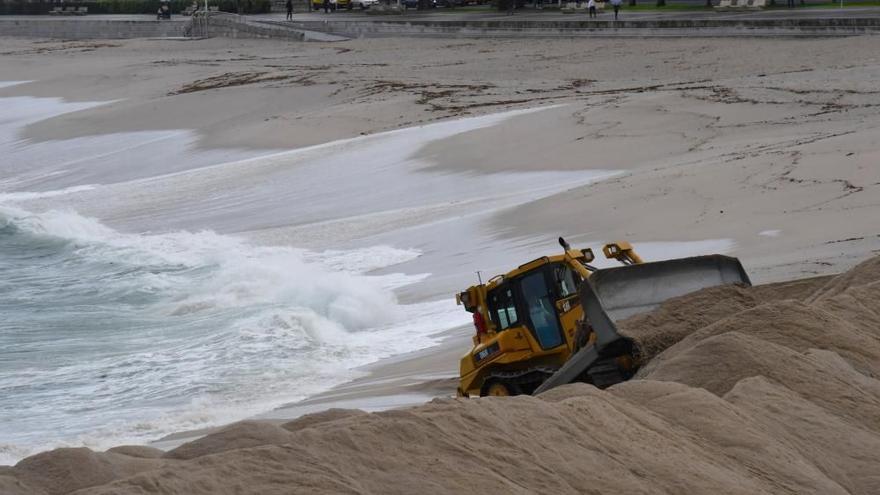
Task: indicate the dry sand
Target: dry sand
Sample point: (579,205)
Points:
(770,389)
(770,143)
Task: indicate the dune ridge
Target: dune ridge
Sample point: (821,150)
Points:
(768,389)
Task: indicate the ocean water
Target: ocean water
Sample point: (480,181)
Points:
(114,338)
(148,286)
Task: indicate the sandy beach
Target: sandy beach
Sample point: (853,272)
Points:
(670,111)
(438,158)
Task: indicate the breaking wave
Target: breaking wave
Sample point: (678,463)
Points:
(114,337)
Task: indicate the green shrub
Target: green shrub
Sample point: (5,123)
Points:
(21,7)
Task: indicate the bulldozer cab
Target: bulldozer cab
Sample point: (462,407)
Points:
(535,300)
(525,324)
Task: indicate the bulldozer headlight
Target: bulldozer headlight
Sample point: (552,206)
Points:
(588,255)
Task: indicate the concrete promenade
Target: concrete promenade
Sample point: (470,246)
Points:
(529,22)
(554,15)
(312,26)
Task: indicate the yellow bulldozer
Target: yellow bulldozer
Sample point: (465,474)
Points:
(553,320)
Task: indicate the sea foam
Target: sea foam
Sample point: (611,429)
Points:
(117,337)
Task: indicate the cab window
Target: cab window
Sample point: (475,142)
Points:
(502,307)
(567,281)
(538,303)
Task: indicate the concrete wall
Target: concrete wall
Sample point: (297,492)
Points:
(574,28)
(85,28)
(233,26)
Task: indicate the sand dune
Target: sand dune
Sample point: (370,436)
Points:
(770,389)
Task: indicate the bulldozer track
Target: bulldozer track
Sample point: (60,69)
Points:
(526,378)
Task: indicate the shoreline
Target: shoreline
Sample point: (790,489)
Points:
(404,380)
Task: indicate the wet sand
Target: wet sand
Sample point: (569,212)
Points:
(745,136)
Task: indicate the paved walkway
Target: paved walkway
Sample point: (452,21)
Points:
(528,22)
(553,15)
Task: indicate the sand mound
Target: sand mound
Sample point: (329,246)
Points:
(767,389)
(327,416)
(140,451)
(791,324)
(9,485)
(235,436)
(66,470)
(682,316)
(845,452)
(852,281)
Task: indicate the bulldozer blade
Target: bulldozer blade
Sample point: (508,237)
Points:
(614,294)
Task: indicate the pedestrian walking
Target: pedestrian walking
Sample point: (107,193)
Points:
(511,4)
(326,6)
(591,5)
(616,5)
(289,6)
